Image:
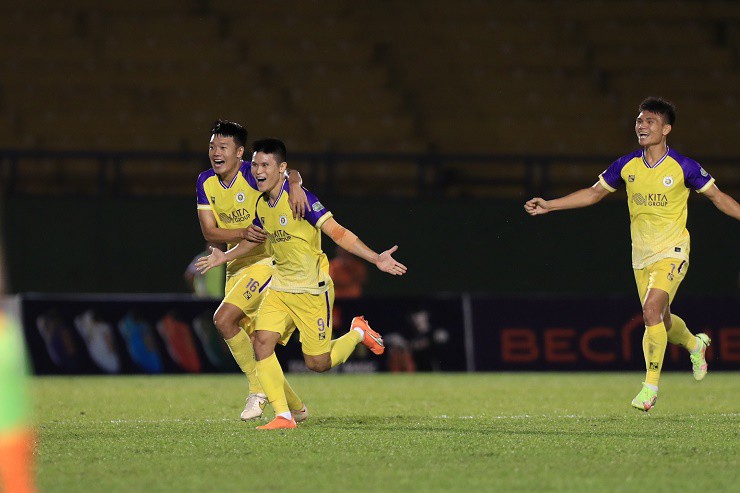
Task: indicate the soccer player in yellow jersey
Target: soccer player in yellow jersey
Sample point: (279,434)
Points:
(657,180)
(226,196)
(301,293)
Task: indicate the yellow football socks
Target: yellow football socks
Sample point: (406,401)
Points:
(654,343)
(241,349)
(680,334)
(273,381)
(344,346)
(294,402)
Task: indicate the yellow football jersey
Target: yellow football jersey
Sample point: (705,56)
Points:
(233,206)
(300,264)
(657,197)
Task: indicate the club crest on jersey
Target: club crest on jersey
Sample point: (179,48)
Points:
(668,181)
(283,220)
(630,178)
(240,197)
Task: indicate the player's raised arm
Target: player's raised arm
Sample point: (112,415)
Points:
(350,242)
(723,202)
(581,198)
(217,257)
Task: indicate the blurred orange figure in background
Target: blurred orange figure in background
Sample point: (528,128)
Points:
(349,274)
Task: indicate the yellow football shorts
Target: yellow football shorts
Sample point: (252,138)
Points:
(246,289)
(665,274)
(310,313)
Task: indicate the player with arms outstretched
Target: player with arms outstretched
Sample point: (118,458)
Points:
(658,180)
(301,293)
(226,196)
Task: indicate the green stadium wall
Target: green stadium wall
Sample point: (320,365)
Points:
(112,245)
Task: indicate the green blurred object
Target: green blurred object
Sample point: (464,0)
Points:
(208,285)
(14,398)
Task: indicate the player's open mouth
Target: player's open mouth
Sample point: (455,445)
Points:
(218,162)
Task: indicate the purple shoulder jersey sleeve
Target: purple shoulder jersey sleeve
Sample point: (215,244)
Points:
(694,176)
(200,191)
(317,210)
(612,176)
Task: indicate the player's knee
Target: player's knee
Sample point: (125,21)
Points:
(652,313)
(227,327)
(318,365)
(262,348)
(218,320)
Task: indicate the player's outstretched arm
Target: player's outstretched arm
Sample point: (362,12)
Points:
(349,241)
(581,198)
(723,202)
(217,257)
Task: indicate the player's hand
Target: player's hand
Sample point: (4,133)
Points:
(388,264)
(216,258)
(255,234)
(537,206)
(298,201)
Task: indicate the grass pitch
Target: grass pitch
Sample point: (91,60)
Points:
(533,432)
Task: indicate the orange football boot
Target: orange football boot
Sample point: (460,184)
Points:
(372,339)
(279,423)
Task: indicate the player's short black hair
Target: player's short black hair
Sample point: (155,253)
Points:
(660,106)
(275,147)
(226,128)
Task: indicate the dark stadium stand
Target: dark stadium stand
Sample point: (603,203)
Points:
(525,78)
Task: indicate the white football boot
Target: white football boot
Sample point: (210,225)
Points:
(255,407)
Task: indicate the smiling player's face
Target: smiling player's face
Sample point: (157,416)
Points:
(268,172)
(225,156)
(650,128)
